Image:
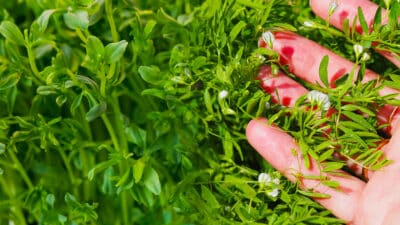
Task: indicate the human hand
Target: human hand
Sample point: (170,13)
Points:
(357,202)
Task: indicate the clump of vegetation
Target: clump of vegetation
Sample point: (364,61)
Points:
(133,111)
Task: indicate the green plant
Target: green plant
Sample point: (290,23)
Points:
(133,112)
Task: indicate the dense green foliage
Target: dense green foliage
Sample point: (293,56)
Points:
(133,112)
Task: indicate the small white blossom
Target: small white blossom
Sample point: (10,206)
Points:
(332,7)
(274,193)
(11,222)
(261,57)
(358,49)
(365,56)
(320,98)
(308,23)
(223,94)
(264,178)
(276,181)
(268,38)
(267,105)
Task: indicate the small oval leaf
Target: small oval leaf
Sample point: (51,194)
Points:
(9,81)
(96,111)
(43,19)
(152,181)
(150,74)
(114,51)
(12,33)
(77,20)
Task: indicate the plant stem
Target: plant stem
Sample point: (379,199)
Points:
(69,170)
(16,209)
(110,18)
(18,166)
(111,132)
(32,63)
(81,36)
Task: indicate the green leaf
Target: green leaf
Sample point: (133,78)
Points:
(149,28)
(43,19)
(138,168)
(236,30)
(2,148)
(209,197)
(47,90)
(313,194)
(359,119)
(332,166)
(114,51)
(12,33)
(154,92)
(100,167)
(9,81)
(150,74)
(78,19)
(378,18)
(94,48)
(50,199)
(363,23)
(331,183)
(323,70)
(353,107)
(152,181)
(76,103)
(96,111)
(136,135)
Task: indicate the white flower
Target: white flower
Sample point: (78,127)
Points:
(274,193)
(358,49)
(308,23)
(320,98)
(267,105)
(223,94)
(332,7)
(268,38)
(365,56)
(264,178)
(11,222)
(276,181)
(261,57)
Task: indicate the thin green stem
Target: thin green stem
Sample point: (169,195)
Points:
(119,124)
(16,209)
(32,63)
(69,170)
(81,35)
(110,18)
(111,132)
(18,166)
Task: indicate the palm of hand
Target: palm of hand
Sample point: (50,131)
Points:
(362,203)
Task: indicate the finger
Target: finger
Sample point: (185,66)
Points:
(348,9)
(342,201)
(282,89)
(303,57)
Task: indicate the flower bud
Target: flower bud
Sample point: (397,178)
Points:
(268,38)
(319,98)
(358,49)
(223,94)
